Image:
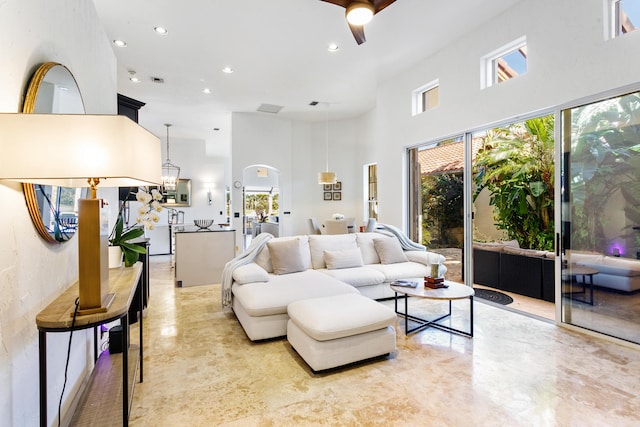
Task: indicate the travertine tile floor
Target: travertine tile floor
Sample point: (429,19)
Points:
(201,370)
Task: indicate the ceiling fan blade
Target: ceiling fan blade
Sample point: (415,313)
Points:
(343,3)
(381,4)
(358,33)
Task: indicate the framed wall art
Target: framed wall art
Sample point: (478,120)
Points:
(337,195)
(337,186)
(327,195)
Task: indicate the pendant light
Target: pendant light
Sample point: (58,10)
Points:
(170,172)
(327,177)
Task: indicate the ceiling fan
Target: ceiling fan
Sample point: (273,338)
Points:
(359,12)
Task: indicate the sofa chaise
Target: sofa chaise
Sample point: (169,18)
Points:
(290,269)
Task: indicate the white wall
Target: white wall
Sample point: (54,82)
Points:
(298,150)
(33,273)
(568,60)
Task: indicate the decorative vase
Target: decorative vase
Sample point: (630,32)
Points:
(115,257)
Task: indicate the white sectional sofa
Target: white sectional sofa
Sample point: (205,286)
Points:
(622,274)
(290,269)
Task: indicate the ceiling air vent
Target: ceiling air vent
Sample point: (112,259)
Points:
(313,103)
(157,80)
(269,108)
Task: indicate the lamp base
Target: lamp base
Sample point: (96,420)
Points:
(104,307)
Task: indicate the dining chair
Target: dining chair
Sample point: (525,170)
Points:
(272,228)
(371,225)
(336,226)
(351,224)
(313,224)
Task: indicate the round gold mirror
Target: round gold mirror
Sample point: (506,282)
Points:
(53,210)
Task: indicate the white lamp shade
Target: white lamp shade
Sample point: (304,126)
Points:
(67,149)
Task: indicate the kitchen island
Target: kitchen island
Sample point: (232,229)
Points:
(201,254)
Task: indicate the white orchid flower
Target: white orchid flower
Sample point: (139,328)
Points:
(156,194)
(143,197)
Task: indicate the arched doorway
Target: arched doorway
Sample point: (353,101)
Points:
(260,201)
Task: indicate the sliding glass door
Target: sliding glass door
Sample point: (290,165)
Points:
(436,200)
(600,216)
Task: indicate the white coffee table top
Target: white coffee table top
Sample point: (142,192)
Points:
(454,291)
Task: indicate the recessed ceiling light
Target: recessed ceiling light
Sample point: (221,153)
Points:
(333,47)
(206,90)
(227,70)
(161,30)
(134,79)
(120,43)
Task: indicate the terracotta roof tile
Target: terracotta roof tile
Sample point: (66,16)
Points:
(448,158)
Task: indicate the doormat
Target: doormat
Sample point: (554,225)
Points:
(493,296)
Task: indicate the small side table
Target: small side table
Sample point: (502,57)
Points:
(455,291)
(570,276)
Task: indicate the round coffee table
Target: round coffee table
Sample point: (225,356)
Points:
(453,291)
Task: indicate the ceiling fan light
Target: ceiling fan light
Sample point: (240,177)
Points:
(359,13)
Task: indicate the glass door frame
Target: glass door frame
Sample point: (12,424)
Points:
(559,154)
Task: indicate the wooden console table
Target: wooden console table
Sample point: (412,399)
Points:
(57,317)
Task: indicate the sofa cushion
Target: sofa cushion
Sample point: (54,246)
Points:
(357,276)
(575,257)
(365,243)
(286,256)
(619,266)
(249,273)
(389,250)
(273,297)
(263,259)
(425,257)
(346,258)
(403,270)
(328,242)
(340,316)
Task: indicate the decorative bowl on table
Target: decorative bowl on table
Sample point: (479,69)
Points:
(203,224)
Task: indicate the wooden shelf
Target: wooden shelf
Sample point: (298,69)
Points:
(101,402)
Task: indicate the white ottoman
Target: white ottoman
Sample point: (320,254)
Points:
(337,330)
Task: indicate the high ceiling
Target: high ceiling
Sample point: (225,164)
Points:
(278,50)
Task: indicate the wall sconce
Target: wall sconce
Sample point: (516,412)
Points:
(209,197)
(76,150)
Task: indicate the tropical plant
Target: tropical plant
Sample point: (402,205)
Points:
(147,216)
(442,205)
(605,160)
(515,164)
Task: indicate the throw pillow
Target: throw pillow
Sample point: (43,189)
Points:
(250,273)
(389,251)
(346,258)
(286,256)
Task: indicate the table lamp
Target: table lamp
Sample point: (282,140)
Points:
(78,150)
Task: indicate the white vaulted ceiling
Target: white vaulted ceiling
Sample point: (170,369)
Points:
(278,50)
